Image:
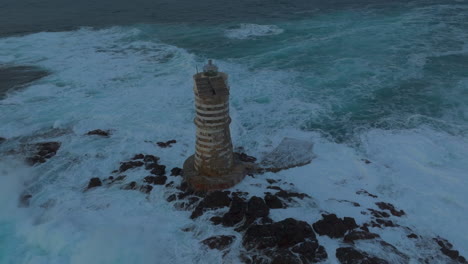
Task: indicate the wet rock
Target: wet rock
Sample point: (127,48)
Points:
(273,202)
(150,159)
(17,77)
(44,151)
(412,235)
(124,166)
(146,188)
(285,257)
(99,132)
(287,195)
(447,249)
(256,208)
(171,198)
(271,181)
(236,212)
(24,200)
(131,186)
(219,242)
(213,200)
(94,182)
(2,140)
(378,214)
(366,161)
(283,234)
(391,208)
(349,255)
(159,170)
(333,226)
(138,157)
(160,180)
(355,204)
(310,251)
(274,188)
(246,158)
(166,144)
(176,171)
(359,235)
(364,192)
(217,199)
(216,220)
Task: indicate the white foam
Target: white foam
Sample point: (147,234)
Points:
(142,91)
(247,31)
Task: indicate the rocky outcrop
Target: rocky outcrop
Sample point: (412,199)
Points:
(94,182)
(333,226)
(390,207)
(176,171)
(43,152)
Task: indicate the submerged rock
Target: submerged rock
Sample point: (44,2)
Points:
(289,153)
(2,140)
(166,144)
(359,235)
(16,77)
(99,132)
(44,151)
(219,242)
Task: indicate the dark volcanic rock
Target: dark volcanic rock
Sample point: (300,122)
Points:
(287,195)
(176,172)
(310,252)
(138,156)
(171,198)
(364,192)
(349,255)
(159,170)
(146,188)
(219,242)
(285,257)
(391,208)
(213,200)
(124,166)
(257,208)
(379,214)
(2,140)
(166,144)
(45,151)
(387,223)
(447,249)
(273,202)
(216,220)
(99,132)
(94,182)
(150,159)
(359,235)
(236,212)
(283,234)
(246,158)
(160,180)
(333,226)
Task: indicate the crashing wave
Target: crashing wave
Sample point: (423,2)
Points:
(246,31)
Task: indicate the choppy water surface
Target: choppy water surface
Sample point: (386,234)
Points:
(387,82)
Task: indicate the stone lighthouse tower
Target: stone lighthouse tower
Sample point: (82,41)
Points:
(214,165)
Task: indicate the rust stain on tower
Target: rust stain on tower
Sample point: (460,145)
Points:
(214,165)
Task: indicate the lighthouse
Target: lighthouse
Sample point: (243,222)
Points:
(214,165)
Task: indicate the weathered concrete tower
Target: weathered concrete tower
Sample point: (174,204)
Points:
(214,165)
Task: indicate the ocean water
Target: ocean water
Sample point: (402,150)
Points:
(377,81)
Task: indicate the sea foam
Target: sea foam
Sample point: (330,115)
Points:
(247,31)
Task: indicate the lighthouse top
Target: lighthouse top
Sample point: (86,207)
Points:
(210,69)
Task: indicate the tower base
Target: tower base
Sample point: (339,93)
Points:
(200,182)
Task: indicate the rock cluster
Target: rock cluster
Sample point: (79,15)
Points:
(99,132)
(43,152)
(166,144)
